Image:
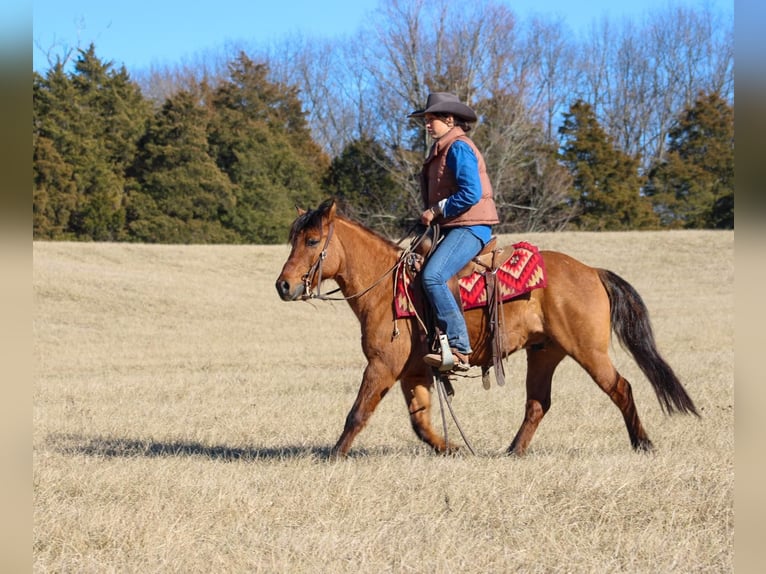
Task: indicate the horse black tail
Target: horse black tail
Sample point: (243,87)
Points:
(630,322)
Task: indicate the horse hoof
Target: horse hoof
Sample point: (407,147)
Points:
(337,454)
(644,445)
(514,452)
(445,450)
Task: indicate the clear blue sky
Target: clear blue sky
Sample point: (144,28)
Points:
(139,33)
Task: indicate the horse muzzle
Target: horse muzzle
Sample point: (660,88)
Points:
(286,293)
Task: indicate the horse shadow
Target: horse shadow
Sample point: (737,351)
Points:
(111,447)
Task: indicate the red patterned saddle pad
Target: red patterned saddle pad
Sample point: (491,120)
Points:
(522,271)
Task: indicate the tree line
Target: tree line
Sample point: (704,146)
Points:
(627,127)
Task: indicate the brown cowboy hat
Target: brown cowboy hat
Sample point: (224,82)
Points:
(445,103)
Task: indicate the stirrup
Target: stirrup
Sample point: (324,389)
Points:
(447,360)
(449,364)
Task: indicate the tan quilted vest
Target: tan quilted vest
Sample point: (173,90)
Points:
(438,182)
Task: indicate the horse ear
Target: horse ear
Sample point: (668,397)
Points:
(328,208)
(300,210)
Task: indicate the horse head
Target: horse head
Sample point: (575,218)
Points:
(309,262)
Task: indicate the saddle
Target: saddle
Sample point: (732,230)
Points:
(486,260)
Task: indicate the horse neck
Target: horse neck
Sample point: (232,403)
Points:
(367,258)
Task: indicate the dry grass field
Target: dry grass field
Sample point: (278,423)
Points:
(183,415)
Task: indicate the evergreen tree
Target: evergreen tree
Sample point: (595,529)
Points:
(86,129)
(606,183)
(260,139)
(54,189)
(694,186)
(182,195)
(360,178)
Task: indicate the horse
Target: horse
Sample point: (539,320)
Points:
(573,315)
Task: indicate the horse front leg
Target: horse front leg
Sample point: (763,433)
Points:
(417,395)
(376,382)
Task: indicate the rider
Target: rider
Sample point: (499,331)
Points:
(457,195)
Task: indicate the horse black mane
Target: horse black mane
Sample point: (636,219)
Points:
(303,221)
(313,219)
(309,219)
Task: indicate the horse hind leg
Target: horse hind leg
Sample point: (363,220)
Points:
(417,395)
(541,364)
(601,369)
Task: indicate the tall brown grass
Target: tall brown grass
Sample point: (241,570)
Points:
(182,414)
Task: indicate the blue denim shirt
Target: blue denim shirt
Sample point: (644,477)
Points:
(463,163)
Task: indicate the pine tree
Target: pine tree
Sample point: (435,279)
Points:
(606,183)
(86,123)
(694,186)
(54,195)
(260,139)
(182,195)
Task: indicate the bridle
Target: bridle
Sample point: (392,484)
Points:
(315,270)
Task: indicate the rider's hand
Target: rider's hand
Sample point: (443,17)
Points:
(428,216)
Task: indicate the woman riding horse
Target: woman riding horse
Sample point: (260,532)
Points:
(458,196)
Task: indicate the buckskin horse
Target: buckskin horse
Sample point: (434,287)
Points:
(574,315)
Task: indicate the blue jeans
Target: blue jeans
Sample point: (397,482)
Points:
(456,249)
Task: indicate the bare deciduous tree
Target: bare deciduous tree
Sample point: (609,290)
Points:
(477,54)
(638,76)
(519,76)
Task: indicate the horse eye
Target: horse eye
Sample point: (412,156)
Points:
(312,242)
